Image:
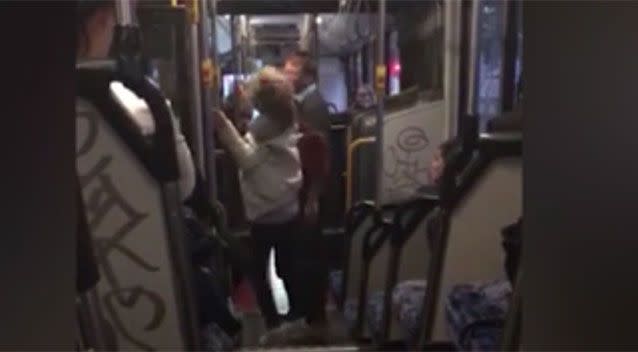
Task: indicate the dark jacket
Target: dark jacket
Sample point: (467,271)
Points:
(314,153)
(313,111)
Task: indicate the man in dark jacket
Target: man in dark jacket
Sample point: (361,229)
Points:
(301,70)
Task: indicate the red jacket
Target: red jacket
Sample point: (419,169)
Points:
(314,152)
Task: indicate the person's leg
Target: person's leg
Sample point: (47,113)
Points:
(311,327)
(316,276)
(285,257)
(262,243)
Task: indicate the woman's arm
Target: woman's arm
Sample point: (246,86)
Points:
(185,162)
(244,152)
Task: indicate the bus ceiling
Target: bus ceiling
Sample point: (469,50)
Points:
(273,7)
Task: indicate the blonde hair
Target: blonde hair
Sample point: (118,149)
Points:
(273,96)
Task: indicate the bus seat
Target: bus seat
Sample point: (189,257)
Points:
(410,136)
(373,312)
(473,253)
(409,140)
(360,219)
(405,218)
(134,211)
(406,266)
(476,314)
(363,123)
(407,301)
(365,243)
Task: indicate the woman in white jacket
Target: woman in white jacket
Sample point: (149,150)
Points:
(270,178)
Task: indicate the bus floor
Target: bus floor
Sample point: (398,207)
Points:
(310,349)
(246,308)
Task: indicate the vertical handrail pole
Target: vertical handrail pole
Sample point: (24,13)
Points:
(510,54)
(315,42)
(451,62)
(210,89)
(472,86)
(236,64)
(124,12)
(381,75)
(195,87)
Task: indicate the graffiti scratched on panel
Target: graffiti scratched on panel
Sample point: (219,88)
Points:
(103,198)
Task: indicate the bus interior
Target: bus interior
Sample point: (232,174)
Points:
(413,264)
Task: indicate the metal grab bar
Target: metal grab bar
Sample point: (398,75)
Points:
(372,243)
(461,173)
(355,217)
(395,223)
(406,220)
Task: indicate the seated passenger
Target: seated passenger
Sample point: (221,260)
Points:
(140,113)
(270,178)
(437,164)
(95,25)
(364,99)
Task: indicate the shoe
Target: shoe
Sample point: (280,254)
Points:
(294,333)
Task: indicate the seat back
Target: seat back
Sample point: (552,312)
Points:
(359,221)
(473,251)
(361,177)
(407,259)
(367,261)
(411,135)
(133,209)
(410,138)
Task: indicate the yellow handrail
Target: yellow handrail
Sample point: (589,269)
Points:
(351,148)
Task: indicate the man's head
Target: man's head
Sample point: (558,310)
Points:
(300,69)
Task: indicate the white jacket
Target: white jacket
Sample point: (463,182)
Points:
(269,172)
